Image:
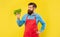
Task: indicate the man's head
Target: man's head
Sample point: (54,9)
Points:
(31,8)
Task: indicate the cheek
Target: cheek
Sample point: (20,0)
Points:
(31,9)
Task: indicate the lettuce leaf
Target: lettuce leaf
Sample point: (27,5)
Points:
(17,11)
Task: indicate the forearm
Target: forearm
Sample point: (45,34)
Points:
(43,27)
(20,22)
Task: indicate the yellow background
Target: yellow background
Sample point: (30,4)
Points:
(48,9)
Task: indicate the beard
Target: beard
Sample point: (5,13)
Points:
(30,12)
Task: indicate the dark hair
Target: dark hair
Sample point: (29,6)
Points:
(34,5)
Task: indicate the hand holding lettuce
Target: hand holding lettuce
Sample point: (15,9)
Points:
(17,13)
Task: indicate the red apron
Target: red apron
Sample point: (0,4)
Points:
(31,28)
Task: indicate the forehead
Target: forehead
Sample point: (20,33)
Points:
(30,6)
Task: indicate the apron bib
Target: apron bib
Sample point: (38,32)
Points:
(31,28)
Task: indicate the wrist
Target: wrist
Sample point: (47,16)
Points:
(18,18)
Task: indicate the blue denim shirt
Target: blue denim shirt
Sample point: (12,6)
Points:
(38,19)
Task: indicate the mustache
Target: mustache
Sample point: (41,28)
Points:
(30,12)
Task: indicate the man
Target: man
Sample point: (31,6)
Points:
(31,19)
